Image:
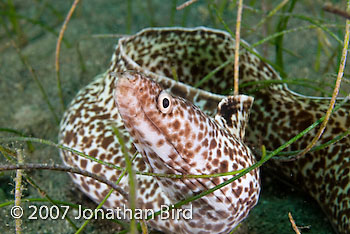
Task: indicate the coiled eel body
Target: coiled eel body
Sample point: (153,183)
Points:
(277,115)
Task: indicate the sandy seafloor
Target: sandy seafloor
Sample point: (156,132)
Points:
(24,109)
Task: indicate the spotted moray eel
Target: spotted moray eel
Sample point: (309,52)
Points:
(176,137)
(277,115)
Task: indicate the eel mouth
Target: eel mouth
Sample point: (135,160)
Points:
(125,96)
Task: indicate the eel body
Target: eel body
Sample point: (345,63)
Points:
(277,115)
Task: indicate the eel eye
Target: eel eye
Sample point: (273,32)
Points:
(165,102)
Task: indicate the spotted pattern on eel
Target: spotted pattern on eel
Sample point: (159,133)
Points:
(176,137)
(277,115)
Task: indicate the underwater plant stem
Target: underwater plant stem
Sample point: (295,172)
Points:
(16,26)
(173,176)
(282,25)
(329,8)
(271,13)
(62,147)
(335,91)
(186,4)
(56,167)
(294,226)
(18,191)
(172,13)
(59,146)
(58,47)
(238,35)
(34,184)
(291,154)
(32,72)
(29,144)
(212,73)
(40,191)
(132,180)
(244,45)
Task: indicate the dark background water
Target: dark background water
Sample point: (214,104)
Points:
(33,25)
